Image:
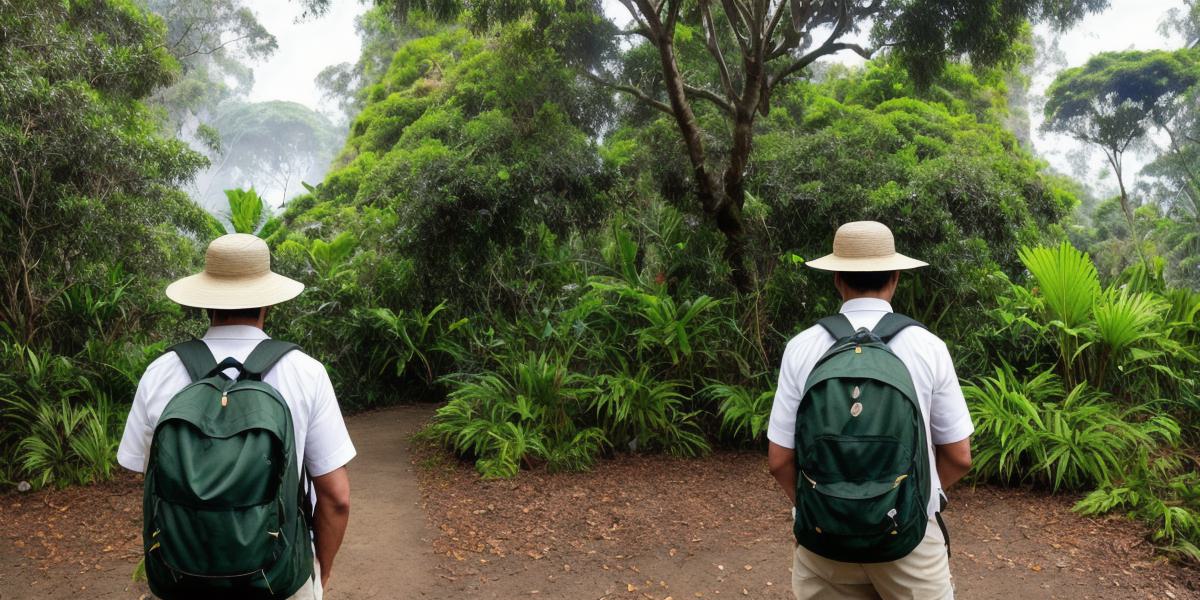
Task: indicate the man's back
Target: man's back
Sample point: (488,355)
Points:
(923,353)
(322,443)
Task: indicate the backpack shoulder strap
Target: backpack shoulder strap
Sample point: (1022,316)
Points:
(838,326)
(892,324)
(264,356)
(196,358)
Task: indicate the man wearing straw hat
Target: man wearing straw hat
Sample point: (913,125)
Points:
(866,269)
(236,287)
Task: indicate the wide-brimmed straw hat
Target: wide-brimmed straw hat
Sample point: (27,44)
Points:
(237,274)
(864,246)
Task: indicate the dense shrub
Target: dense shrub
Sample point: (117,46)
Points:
(1094,391)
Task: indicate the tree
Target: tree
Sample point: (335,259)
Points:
(1184,20)
(1116,98)
(381,34)
(750,47)
(275,144)
(211,39)
(87,183)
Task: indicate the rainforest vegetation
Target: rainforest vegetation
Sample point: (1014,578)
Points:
(583,240)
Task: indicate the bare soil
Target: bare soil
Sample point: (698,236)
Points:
(425,526)
(657,527)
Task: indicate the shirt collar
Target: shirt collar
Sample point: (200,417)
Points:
(866,304)
(235,332)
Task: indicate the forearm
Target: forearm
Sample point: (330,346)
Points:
(782,462)
(953,462)
(787,481)
(330,524)
(332,516)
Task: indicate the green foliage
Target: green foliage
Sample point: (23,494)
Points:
(59,423)
(744,414)
(523,413)
(1036,430)
(1171,504)
(89,182)
(1124,429)
(245,210)
(1067,280)
(1117,96)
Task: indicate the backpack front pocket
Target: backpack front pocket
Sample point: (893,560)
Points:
(854,485)
(218,543)
(859,458)
(851,508)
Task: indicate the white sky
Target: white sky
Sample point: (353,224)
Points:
(306,48)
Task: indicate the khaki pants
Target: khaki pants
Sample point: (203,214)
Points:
(922,575)
(311,590)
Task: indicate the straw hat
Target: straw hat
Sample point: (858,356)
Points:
(864,246)
(237,274)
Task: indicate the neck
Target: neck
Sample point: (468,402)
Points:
(220,320)
(879,295)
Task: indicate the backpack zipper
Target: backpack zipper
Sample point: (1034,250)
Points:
(810,480)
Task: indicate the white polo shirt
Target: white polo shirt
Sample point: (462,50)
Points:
(322,442)
(945,410)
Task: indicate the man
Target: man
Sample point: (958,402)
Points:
(236,287)
(866,270)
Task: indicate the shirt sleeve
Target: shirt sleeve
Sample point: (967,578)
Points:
(327,445)
(781,429)
(949,419)
(135,441)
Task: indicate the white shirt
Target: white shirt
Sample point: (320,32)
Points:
(945,410)
(322,442)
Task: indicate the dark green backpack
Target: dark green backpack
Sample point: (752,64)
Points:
(863,462)
(225,514)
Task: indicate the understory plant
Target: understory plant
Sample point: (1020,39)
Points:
(1092,390)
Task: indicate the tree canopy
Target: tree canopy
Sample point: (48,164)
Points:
(1116,100)
(89,183)
(733,54)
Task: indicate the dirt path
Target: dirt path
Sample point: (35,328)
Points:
(85,542)
(386,553)
(646,527)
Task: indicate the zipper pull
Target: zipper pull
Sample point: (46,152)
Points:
(224,399)
(892,515)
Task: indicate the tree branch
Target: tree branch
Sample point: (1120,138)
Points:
(714,48)
(632,91)
(637,17)
(672,16)
(826,49)
(735,14)
(777,18)
(711,96)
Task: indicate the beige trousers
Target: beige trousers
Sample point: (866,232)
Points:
(922,575)
(311,590)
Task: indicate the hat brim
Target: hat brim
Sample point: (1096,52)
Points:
(231,293)
(895,262)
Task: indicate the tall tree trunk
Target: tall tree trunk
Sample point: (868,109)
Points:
(717,200)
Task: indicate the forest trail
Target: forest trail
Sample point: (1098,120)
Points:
(386,552)
(650,527)
(88,538)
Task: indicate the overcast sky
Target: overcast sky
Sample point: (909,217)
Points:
(306,48)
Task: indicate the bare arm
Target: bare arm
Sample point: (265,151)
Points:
(332,516)
(953,461)
(782,462)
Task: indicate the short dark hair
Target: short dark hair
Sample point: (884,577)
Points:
(866,281)
(235,313)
